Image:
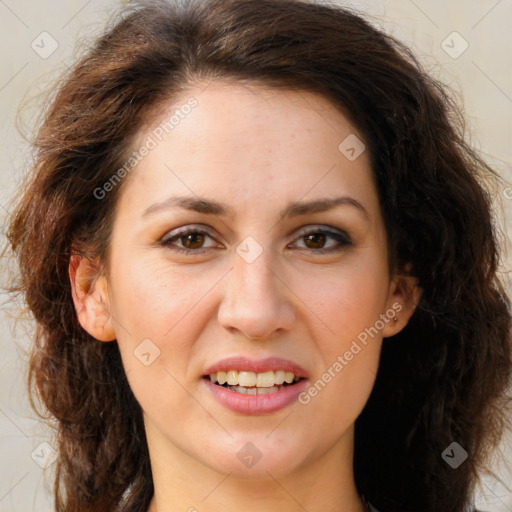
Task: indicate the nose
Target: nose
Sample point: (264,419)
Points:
(257,302)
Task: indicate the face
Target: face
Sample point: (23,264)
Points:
(273,262)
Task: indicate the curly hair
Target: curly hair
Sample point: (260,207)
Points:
(442,379)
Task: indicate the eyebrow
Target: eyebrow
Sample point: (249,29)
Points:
(294,209)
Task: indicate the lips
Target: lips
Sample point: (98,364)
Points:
(255,386)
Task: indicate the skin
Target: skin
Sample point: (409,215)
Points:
(290,302)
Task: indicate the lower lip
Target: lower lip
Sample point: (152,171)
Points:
(257,404)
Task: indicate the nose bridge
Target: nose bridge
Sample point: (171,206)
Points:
(256,277)
(253,279)
(255,300)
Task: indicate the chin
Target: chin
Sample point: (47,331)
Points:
(254,457)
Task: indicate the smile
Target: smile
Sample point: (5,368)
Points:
(252,383)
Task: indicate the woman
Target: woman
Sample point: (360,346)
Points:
(263,268)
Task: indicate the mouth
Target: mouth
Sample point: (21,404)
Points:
(252,383)
(255,386)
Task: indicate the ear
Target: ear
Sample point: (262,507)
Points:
(404,296)
(90,296)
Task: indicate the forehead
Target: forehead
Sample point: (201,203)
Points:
(235,110)
(241,141)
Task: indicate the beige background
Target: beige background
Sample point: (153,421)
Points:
(481,75)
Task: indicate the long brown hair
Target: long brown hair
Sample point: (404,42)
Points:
(441,380)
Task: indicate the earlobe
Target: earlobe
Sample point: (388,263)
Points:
(90,297)
(404,296)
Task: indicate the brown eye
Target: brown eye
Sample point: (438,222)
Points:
(192,240)
(315,240)
(187,240)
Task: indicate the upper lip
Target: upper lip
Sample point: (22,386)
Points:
(240,363)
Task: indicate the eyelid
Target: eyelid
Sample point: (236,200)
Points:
(185,230)
(196,228)
(321,228)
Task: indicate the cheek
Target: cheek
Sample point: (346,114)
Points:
(153,301)
(156,318)
(349,299)
(156,341)
(350,308)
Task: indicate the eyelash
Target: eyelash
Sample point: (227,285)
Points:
(342,238)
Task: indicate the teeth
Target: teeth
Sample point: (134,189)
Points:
(279,375)
(232,378)
(265,380)
(255,390)
(247,379)
(251,381)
